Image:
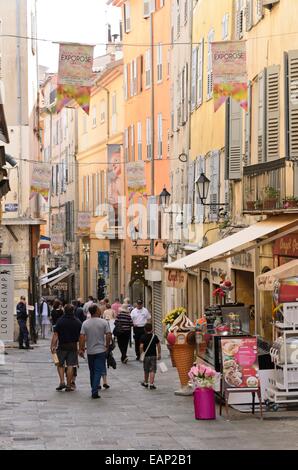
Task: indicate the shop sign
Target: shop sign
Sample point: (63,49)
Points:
(240,362)
(243,261)
(6,303)
(287,246)
(176,279)
(62,286)
(11,207)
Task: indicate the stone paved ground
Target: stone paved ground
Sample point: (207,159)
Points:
(34,416)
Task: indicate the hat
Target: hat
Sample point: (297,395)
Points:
(139,302)
(124,308)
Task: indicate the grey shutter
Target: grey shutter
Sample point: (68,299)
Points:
(248,128)
(272,112)
(214,186)
(261,117)
(235,141)
(238,20)
(152,218)
(190,191)
(293,104)
(194,80)
(249,14)
(200,208)
(157,309)
(200,71)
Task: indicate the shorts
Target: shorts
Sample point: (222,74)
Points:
(150,364)
(70,358)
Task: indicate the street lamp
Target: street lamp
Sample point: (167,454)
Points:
(203,185)
(164,198)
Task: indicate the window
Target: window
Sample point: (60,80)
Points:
(239,19)
(178,18)
(133,78)
(148,68)
(127,17)
(200,72)
(125,82)
(159,135)
(161,3)
(57,180)
(148,139)
(33,33)
(94,116)
(126,145)
(159,62)
(140,141)
(152,6)
(185,11)
(194,79)
(146,8)
(169,63)
(114,113)
(132,142)
(209,70)
(87,198)
(102,111)
(225,27)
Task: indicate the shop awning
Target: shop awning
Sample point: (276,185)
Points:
(266,281)
(60,278)
(45,277)
(234,243)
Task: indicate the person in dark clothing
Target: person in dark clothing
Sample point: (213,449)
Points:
(56,313)
(123,324)
(22,317)
(150,344)
(65,343)
(78,311)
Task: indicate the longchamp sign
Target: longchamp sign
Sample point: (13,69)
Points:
(176,279)
(6,303)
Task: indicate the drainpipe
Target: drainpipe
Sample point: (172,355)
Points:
(152,118)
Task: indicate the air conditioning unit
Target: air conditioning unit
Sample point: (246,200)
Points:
(269,4)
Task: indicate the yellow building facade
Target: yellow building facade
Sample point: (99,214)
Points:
(101,251)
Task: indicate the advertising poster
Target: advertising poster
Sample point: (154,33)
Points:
(229,73)
(84,224)
(136,179)
(57,243)
(103,273)
(75,75)
(240,367)
(176,279)
(41,180)
(6,303)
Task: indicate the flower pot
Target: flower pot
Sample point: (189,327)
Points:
(183,355)
(270,203)
(204,403)
(290,204)
(250,205)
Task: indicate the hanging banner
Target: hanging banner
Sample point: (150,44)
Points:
(176,279)
(41,180)
(6,303)
(229,73)
(84,224)
(75,75)
(103,274)
(57,243)
(136,179)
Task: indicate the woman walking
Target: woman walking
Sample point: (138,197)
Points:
(56,313)
(123,326)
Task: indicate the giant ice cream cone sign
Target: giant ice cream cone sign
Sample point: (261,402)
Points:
(182,339)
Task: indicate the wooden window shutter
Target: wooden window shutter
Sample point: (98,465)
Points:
(293,103)
(194,80)
(140,73)
(249,8)
(273,112)
(125,82)
(152,217)
(214,186)
(186,98)
(261,117)
(129,78)
(247,149)
(235,140)
(200,71)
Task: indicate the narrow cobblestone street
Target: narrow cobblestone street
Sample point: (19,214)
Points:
(127,417)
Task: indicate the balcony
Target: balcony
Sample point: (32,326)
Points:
(268,188)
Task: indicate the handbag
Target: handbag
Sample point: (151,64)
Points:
(143,355)
(118,330)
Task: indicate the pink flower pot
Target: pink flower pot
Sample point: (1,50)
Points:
(204,403)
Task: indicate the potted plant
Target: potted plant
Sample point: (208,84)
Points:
(271,197)
(203,379)
(290,202)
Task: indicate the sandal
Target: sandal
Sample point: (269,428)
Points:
(69,389)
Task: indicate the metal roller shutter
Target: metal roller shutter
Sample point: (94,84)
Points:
(157,309)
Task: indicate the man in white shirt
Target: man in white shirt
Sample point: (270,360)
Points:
(140,316)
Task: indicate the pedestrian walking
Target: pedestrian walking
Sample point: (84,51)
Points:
(116,306)
(123,326)
(109,315)
(88,304)
(65,344)
(95,333)
(140,316)
(56,313)
(44,312)
(150,345)
(22,316)
(78,311)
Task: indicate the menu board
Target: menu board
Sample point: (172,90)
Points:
(240,366)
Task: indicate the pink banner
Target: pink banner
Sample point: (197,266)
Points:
(229,72)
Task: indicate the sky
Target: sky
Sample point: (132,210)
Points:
(82,21)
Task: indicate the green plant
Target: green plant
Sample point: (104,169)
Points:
(290,199)
(271,193)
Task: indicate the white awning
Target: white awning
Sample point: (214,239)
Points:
(59,278)
(50,273)
(266,281)
(238,241)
